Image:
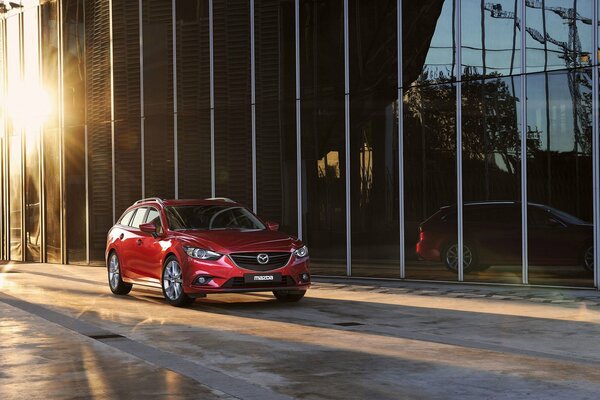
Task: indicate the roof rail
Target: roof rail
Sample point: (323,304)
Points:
(221,199)
(157,199)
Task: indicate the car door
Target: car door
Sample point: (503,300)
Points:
(130,245)
(546,238)
(150,249)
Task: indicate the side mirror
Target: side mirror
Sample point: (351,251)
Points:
(272,226)
(149,228)
(552,223)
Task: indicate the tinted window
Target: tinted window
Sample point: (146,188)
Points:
(126,218)
(211,218)
(138,218)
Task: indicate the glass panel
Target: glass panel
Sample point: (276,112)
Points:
(193,99)
(491,38)
(428,39)
(127,103)
(430,181)
(158,99)
(15,190)
(32,130)
(323,149)
(74,132)
(559,34)
(138,218)
(491,124)
(276,113)
(233,137)
(559,177)
(374,139)
(97,39)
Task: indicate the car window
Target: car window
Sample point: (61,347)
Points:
(126,217)
(138,218)
(154,217)
(211,217)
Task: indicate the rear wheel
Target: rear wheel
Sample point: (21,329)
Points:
(587,258)
(115,281)
(289,296)
(450,257)
(172,284)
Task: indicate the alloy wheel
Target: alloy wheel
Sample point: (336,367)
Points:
(172,280)
(588,258)
(451,258)
(114,272)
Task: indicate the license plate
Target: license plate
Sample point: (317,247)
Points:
(262,278)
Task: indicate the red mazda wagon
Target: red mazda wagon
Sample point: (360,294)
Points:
(190,248)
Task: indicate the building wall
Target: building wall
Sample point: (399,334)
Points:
(348,121)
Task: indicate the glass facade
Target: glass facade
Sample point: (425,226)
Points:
(450,140)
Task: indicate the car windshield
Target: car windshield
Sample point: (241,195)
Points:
(211,217)
(566,217)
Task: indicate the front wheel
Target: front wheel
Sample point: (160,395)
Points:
(115,281)
(587,259)
(289,296)
(450,257)
(172,284)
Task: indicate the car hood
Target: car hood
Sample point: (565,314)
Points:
(231,241)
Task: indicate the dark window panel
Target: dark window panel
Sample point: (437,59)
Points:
(374,138)
(193,98)
(276,113)
(430,178)
(559,176)
(233,131)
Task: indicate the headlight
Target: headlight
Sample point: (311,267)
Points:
(201,254)
(301,252)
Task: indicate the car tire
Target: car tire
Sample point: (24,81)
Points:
(172,283)
(450,257)
(587,258)
(115,278)
(289,296)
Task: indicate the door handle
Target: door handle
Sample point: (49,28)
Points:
(121,236)
(139,242)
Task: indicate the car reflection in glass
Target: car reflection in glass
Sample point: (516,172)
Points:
(492,236)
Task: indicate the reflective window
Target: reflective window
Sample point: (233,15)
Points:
(233,126)
(559,178)
(491,124)
(275,112)
(97,40)
(323,149)
(127,108)
(430,182)
(428,40)
(158,99)
(559,34)
(138,218)
(491,38)
(193,98)
(125,219)
(374,138)
(74,130)
(153,216)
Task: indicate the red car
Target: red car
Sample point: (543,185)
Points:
(492,236)
(190,248)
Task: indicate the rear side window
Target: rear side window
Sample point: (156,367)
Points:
(126,218)
(138,218)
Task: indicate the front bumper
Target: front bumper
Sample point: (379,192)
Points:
(224,276)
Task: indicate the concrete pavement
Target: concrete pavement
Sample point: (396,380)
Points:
(64,335)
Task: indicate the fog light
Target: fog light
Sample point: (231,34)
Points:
(304,277)
(203,280)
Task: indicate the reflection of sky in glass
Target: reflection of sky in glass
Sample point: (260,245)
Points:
(559,107)
(502,49)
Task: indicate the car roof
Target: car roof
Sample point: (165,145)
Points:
(186,202)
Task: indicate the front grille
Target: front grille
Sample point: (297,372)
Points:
(250,261)
(238,283)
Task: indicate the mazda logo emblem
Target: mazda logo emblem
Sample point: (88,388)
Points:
(262,258)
